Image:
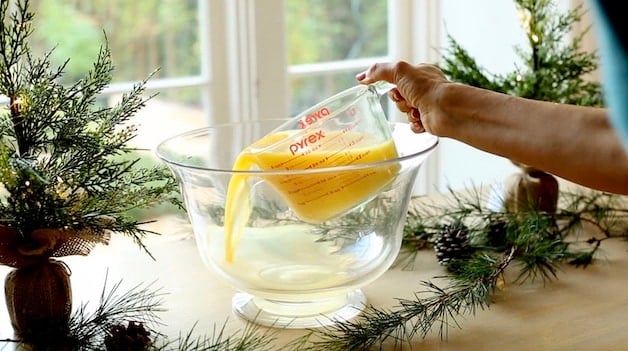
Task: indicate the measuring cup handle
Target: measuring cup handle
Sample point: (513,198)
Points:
(382,87)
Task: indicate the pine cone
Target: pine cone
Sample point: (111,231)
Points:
(452,243)
(496,233)
(132,338)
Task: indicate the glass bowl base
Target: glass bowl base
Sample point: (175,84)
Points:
(299,314)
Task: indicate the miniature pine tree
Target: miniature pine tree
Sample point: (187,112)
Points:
(553,68)
(64,161)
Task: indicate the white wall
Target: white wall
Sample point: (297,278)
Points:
(489,30)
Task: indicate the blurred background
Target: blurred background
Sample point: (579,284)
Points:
(232,60)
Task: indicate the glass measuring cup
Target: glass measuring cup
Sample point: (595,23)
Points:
(356,110)
(345,129)
(348,128)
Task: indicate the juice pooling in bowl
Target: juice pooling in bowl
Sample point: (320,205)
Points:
(349,128)
(290,272)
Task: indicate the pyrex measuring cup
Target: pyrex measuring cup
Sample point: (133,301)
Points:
(346,129)
(327,125)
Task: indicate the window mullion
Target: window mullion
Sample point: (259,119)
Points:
(414,36)
(252,73)
(270,79)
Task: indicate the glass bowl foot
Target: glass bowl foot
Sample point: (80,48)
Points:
(299,314)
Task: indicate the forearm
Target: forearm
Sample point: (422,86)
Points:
(573,142)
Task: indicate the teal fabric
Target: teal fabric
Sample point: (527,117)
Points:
(613,50)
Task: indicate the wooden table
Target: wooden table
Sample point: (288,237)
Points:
(585,309)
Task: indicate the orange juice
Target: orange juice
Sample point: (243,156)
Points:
(314,197)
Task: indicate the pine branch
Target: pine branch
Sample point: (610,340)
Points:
(534,241)
(139,304)
(538,244)
(66,159)
(12,48)
(251,338)
(605,212)
(435,308)
(92,328)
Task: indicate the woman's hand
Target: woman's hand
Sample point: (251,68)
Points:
(416,93)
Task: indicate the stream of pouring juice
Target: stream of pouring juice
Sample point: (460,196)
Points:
(314,197)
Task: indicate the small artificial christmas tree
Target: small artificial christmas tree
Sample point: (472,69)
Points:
(67,177)
(552,69)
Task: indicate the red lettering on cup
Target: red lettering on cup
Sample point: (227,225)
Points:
(306,141)
(313,117)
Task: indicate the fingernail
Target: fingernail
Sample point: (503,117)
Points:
(415,114)
(360,76)
(417,127)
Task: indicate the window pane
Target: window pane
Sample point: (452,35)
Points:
(172,112)
(331,30)
(143,35)
(307,91)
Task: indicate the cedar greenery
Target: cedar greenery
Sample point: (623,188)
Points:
(64,159)
(532,245)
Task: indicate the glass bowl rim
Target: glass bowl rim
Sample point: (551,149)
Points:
(258,172)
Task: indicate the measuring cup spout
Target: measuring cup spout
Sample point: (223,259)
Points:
(382,87)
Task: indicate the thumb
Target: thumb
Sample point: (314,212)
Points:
(378,71)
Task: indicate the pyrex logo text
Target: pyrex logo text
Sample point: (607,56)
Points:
(306,141)
(313,117)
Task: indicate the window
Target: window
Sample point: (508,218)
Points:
(220,60)
(328,42)
(230,60)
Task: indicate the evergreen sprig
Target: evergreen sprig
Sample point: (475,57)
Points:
(531,246)
(92,329)
(64,157)
(434,308)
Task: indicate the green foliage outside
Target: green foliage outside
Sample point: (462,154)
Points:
(332,30)
(336,30)
(142,35)
(164,34)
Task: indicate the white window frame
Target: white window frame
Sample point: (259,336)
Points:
(249,72)
(414,36)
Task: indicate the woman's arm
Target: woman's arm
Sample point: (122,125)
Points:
(576,143)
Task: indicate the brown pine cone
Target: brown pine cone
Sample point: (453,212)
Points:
(132,338)
(452,243)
